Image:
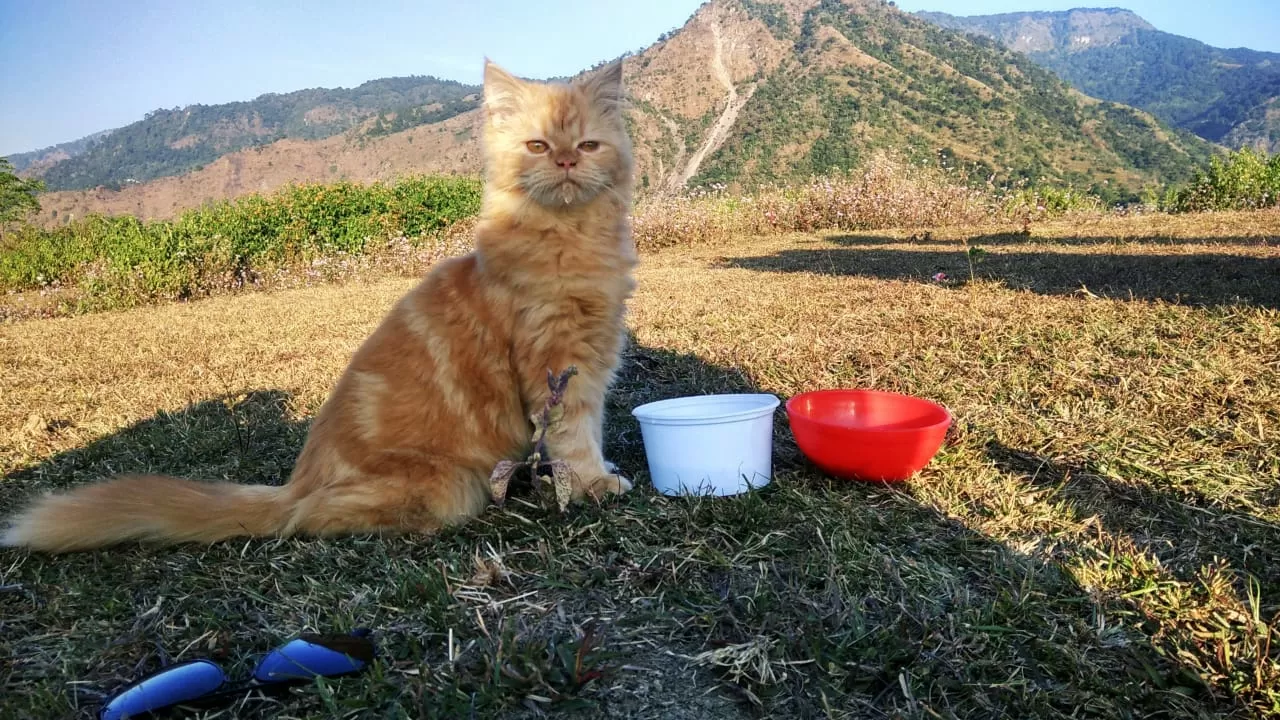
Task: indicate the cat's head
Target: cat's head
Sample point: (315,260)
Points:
(558,144)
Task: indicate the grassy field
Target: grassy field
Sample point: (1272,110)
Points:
(1100,536)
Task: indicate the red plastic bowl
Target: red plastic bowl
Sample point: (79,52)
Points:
(867,434)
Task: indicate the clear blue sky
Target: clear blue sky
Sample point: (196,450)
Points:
(71,68)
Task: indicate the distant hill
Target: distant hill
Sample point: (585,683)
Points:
(37,161)
(171,142)
(746,92)
(1228,96)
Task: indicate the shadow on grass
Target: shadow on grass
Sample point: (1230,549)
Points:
(246,436)
(1015,238)
(806,596)
(818,591)
(1199,278)
(650,374)
(1186,531)
(1228,563)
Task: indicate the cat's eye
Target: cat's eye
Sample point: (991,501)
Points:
(589,146)
(537,147)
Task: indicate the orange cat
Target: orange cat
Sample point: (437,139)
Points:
(443,388)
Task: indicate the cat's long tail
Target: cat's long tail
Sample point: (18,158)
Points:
(150,508)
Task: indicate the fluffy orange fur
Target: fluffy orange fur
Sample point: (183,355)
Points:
(444,387)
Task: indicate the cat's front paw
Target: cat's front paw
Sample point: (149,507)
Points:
(607,485)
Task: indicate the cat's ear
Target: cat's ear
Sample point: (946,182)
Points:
(502,91)
(604,87)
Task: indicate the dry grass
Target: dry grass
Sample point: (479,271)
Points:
(1099,538)
(885,193)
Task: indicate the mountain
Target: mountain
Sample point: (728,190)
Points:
(37,161)
(758,91)
(856,76)
(171,142)
(1228,96)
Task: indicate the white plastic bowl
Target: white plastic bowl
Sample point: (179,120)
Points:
(709,444)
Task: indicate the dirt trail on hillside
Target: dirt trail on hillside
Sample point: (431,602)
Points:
(736,100)
(674,180)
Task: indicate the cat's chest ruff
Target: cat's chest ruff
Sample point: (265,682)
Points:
(573,266)
(580,302)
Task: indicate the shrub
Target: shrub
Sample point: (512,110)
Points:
(1244,180)
(1048,201)
(227,243)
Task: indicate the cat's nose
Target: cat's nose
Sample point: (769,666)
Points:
(566,161)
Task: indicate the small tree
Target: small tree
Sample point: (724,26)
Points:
(1246,179)
(17,196)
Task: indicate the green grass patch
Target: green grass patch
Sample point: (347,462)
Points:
(121,261)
